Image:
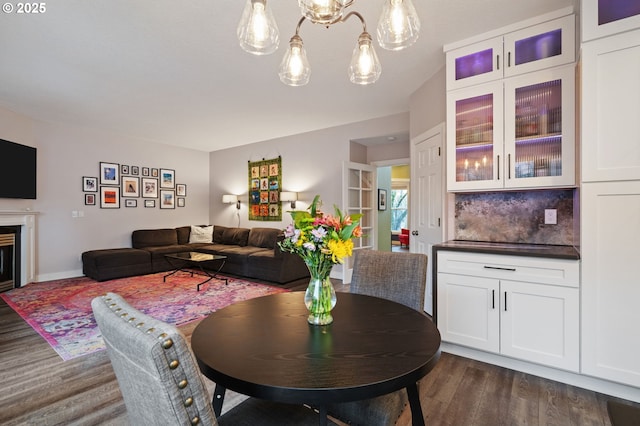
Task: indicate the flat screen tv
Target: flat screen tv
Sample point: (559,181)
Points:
(17,170)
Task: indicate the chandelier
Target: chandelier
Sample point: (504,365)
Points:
(398,28)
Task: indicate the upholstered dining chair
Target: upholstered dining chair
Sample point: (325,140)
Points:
(159,378)
(400,277)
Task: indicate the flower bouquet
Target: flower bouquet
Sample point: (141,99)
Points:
(321,241)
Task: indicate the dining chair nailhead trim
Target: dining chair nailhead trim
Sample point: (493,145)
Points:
(167,344)
(195,420)
(183,383)
(174,364)
(188,402)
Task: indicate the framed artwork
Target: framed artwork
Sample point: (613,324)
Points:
(154,172)
(167,178)
(89,184)
(180,202)
(145,171)
(109,197)
(149,188)
(265,184)
(181,190)
(167,199)
(130,186)
(150,203)
(90,199)
(382,199)
(135,170)
(131,203)
(124,170)
(109,173)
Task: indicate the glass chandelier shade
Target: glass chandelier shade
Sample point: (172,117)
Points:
(257,31)
(364,67)
(399,25)
(323,11)
(294,68)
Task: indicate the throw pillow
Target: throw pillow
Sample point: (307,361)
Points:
(201,234)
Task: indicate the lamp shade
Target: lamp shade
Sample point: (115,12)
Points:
(229,199)
(288,196)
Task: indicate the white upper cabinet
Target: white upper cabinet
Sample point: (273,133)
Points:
(511,107)
(610,108)
(534,47)
(601,18)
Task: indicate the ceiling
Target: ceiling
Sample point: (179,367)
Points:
(172,72)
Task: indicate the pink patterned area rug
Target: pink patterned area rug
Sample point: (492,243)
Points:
(60,311)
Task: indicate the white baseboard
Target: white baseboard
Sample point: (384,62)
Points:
(59,275)
(606,387)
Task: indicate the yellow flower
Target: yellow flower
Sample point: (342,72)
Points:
(340,249)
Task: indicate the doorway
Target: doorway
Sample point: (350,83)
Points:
(394,178)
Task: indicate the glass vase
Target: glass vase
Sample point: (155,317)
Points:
(320,298)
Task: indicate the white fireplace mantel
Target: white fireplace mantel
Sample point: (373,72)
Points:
(27,220)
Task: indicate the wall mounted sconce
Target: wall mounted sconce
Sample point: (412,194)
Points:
(289,197)
(230,199)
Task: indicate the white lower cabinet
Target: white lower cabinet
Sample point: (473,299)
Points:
(521,307)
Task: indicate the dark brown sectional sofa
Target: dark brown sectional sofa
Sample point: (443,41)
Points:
(252,253)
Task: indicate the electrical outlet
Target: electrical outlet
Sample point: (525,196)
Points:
(550,217)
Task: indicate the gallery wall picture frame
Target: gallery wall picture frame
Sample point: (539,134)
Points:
(145,171)
(135,170)
(109,197)
(181,202)
(382,199)
(167,178)
(109,173)
(130,186)
(149,188)
(181,190)
(90,199)
(131,202)
(154,173)
(89,184)
(167,199)
(150,203)
(124,169)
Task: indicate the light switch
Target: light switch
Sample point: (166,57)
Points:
(550,217)
(74,213)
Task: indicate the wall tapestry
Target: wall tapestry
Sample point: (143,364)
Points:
(265,184)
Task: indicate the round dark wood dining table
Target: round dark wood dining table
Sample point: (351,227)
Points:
(265,348)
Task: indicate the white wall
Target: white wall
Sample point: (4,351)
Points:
(67,153)
(311,164)
(428,104)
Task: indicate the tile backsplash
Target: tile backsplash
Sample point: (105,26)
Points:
(515,217)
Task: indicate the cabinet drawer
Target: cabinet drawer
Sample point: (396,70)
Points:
(561,272)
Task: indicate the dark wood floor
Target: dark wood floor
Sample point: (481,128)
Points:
(38,388)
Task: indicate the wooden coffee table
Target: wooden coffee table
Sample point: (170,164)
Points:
(187,261)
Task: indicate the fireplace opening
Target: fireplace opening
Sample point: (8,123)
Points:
(9,257)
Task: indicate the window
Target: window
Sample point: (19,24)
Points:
(399,209)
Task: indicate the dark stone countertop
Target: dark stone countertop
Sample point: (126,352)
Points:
(512,249)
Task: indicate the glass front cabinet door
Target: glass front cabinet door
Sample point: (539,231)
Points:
(535,47)
(475,137)
(514,133)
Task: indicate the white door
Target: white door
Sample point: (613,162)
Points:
(427,191)
(358,190)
